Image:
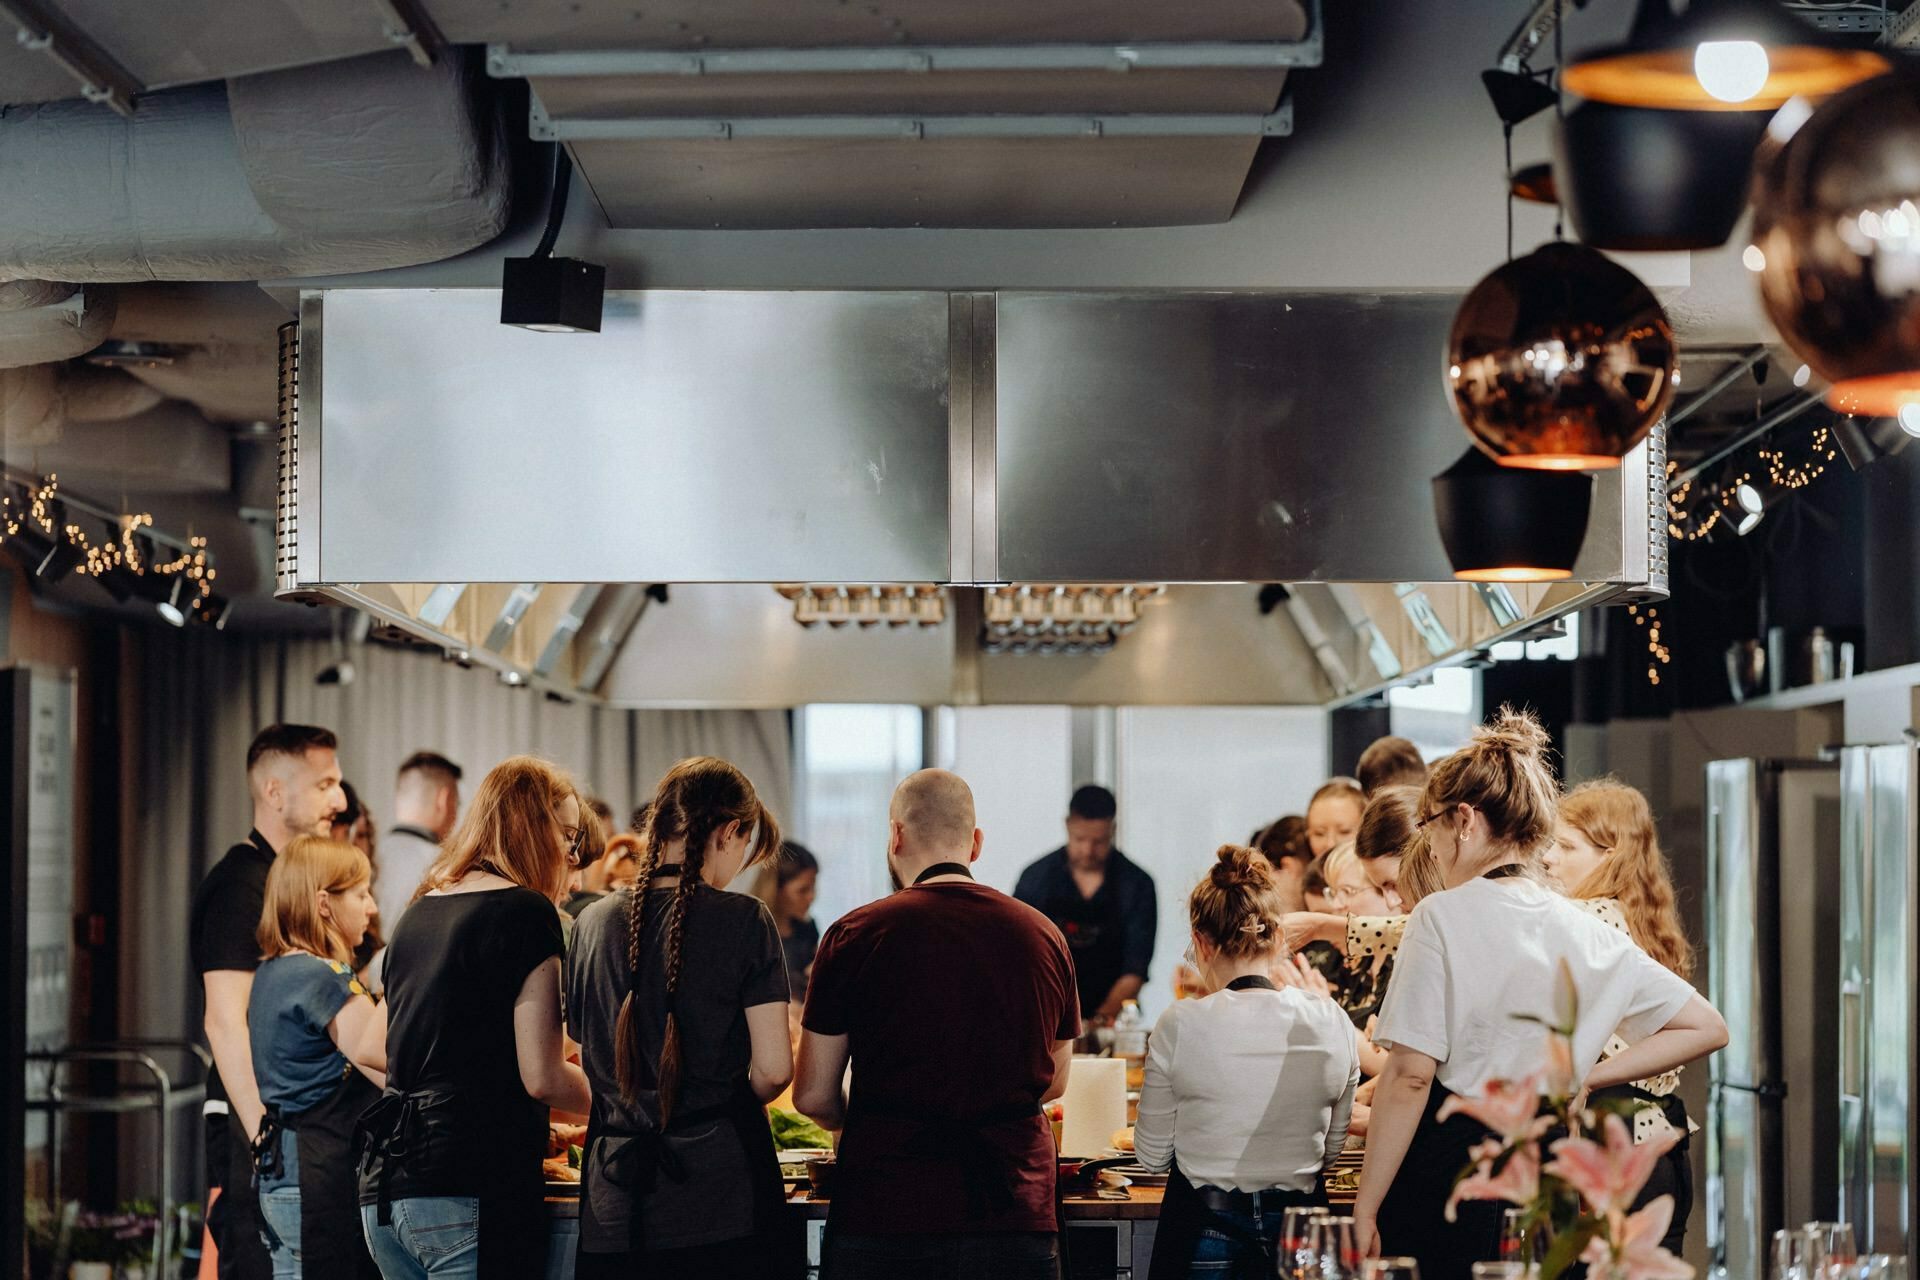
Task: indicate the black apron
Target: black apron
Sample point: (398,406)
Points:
(1184,1213)
(331,1240)
(440,1128)
(1095,937)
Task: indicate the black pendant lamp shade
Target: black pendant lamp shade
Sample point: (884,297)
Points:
(1506,524)
(1638,179)
(1756,57)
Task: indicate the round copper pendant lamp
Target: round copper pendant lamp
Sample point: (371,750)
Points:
(1721,55)
(1560,361)
(1500,524)
(1837,245)
(1641,180)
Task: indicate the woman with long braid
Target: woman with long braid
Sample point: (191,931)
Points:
(677,993)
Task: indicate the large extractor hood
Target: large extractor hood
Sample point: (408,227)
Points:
(460,479)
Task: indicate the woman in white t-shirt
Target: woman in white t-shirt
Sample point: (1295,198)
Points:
(1247,1091)
(1477,961)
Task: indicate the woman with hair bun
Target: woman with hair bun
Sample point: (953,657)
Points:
(1247,1091)
(1477,965)
(677,993)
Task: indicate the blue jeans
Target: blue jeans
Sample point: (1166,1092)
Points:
(437,1236)
(280,1211)
(1216,1253)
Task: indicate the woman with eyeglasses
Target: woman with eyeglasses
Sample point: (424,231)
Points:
(1480,969)
(450,1180)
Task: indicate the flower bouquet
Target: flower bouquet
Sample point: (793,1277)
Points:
(1575,1207)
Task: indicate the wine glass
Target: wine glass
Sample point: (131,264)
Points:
(1296,1243)
(1513,1236)
(1790,1255)
(1826,1247)
(1339,1254)
(1878,1266)
(1390,1269)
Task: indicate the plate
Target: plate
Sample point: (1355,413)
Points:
(800,1155)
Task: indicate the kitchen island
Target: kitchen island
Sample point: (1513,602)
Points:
(1109,1236)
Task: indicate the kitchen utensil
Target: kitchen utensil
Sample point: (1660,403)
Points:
(1095,1104)
(1747,668)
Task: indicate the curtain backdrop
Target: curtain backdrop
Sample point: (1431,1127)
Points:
(194,699)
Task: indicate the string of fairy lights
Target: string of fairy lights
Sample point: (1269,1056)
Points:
(123,552)
(1734,501)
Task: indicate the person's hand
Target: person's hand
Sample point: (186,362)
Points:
(1366,1233)
(1357,1123)
(1363,1095)
(1301,927)
(1298,973)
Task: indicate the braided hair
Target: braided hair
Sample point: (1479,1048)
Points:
(698,798)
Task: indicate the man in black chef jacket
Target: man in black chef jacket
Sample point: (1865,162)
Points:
(293,777)
(1101,901)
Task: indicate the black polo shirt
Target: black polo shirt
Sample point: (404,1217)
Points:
(1110,934)
(224,928)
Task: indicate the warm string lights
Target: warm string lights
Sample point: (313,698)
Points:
(1658,655)
(128,548)
(1799,474)
(1738,498)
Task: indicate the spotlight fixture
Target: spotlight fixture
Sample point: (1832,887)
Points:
(1560,361)
(341,672)
(1643,180)
(1720,55)
(549,294)
(61,559)
(169,608)
(1909,419)
(1752,508)
(1836,232)
(1064,619)
(1507,524)
(1516,95)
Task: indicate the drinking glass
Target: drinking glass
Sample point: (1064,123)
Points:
(1389,1269)
(1513,1236)
(1295,1254)
(1509,1269)
(1790,1255)
(1831,1244)
(1878,1266)
(1339,1253)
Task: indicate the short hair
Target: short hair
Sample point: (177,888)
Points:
(431,762)
(1094,803)
(1388,825)
(1284,838)
(795,860)
(293,740)
(1391,762)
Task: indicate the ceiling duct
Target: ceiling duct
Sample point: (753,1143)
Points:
(354,166)
(56,330)
(970,118)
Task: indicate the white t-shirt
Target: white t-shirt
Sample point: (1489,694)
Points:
(1248,1089)
(1477,955)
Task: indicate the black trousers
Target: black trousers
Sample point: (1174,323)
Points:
(749,1258)
(234,1220)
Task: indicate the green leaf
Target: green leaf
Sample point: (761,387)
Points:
(1566,1249)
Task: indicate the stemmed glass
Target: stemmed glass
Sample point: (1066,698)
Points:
(1513,1236)
(1829,1249)
(1878,1266)
(1390,1269)
(1338,1253)
(1296,1259)
(1790,1256)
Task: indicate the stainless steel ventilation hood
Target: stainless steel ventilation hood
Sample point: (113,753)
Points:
(722,441)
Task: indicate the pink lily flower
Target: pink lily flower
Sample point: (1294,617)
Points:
(1511,1108)
(1517,1183)
(1635,1253)
(1609,1177)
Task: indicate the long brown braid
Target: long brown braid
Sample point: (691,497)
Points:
(698,798)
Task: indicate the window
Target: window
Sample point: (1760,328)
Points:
(847,761)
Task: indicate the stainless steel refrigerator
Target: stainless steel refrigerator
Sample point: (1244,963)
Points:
(1772,924)
(1880,804)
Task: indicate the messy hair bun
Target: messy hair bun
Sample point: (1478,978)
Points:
(1504,775)
(1237,907)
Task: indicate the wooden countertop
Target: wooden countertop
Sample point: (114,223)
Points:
(1141,1202)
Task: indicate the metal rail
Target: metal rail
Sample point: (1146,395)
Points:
(1786,413)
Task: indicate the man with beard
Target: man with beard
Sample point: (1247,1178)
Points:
(1101,901)
(293,776)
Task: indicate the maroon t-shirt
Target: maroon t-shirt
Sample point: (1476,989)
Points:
(952,996)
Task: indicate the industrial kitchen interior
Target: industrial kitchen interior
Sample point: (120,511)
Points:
(843,639)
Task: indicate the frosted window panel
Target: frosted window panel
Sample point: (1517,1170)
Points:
(848,759)
(1194,778)
(1017,760)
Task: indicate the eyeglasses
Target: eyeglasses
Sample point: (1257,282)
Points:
(576,840)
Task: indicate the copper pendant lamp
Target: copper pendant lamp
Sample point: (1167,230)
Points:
(1720,55)
(1836,242)
(1502,524)
(1560,361)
